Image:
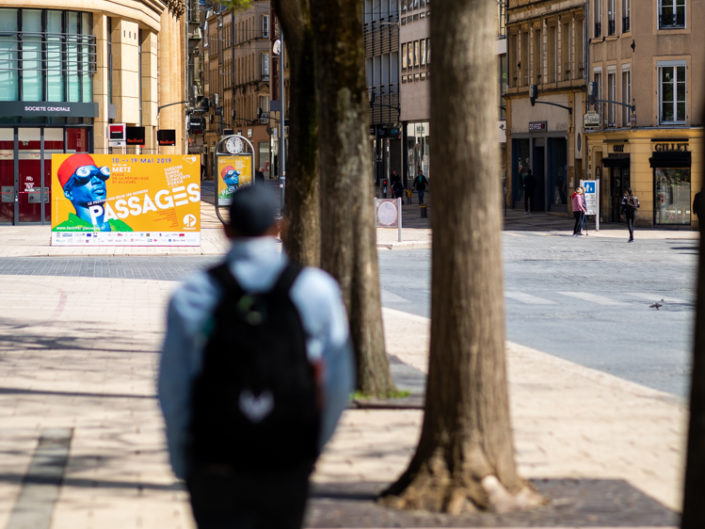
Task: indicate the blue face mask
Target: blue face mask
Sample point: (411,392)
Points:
(85,174)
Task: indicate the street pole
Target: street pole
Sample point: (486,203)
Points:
(282,146)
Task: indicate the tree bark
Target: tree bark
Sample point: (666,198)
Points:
(693,506)
(348,239)
(465,457)
(301,208)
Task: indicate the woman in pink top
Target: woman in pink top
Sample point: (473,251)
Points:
(576,200)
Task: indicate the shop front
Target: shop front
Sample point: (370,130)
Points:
(540,159)
(663,168)
(25,166)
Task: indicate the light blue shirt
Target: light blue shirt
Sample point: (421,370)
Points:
(256,263)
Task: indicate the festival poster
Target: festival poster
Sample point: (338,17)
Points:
(233,172)
(126,200)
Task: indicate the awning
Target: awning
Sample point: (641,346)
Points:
(670,159)
(616,160)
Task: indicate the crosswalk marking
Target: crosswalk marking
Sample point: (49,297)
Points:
(657,297)
(527,298)
(594,298)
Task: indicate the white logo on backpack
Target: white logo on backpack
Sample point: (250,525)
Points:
(256,407)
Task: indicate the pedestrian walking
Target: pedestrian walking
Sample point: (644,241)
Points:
(397,187)
(528,186)
(699,208)
(254,374)
(420,183)
(579,209)
(630,203)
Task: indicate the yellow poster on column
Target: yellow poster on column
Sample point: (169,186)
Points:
(234,172)
(126,200)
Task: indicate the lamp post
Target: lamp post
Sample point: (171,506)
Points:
(278,49)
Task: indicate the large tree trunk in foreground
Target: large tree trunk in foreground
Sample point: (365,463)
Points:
(693,505)
(348,241)
(302,209)
(465,457)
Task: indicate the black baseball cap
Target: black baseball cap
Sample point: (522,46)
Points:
(253,210)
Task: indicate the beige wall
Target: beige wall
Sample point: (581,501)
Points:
(650,47)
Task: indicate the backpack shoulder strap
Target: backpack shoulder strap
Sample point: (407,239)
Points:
(286,278)
(222,275)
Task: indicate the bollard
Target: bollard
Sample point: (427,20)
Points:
(424,213)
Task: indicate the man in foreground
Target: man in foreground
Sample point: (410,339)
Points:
(256,369)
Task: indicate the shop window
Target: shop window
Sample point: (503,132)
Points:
(671,14)
(672,195)
(672,96)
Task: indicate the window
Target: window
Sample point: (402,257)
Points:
(536,56)
(597,12)
(428,51)
(672,195)
(625,16)
(611,17)
(265,26)
(524,62)
(612,97)
(264,60)
(597,78)
(422,52)
(671,14)
(8,55)
(417,53)
(54,51)
(403,56)
(626,95)
(672,92)
(579,53)
(552,59)
(565,72)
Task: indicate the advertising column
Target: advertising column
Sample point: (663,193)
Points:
(126,200)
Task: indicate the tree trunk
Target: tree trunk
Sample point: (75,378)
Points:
(348,239)
(301,209)
(693,506)
(465,457)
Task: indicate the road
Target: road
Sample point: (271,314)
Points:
(583,299)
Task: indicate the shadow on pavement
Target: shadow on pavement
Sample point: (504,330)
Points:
(573,503)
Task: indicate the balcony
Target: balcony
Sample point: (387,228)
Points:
(671,21)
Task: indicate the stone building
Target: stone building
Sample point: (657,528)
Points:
(68,72)
(647,66)
(546,49)
(238,67)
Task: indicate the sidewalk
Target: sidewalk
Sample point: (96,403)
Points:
(81,436)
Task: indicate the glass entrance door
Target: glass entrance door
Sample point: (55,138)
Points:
(25,169)
(7,176)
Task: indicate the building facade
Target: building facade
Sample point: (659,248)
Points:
(381,36)
(546,49)
(237,51)
(647,65)
(65,74)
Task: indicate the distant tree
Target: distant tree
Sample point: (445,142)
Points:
(465,457)
(302,237)
(694,494)
(348,241)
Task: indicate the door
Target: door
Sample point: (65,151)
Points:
(620,182)
(539,195)
(7,176)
